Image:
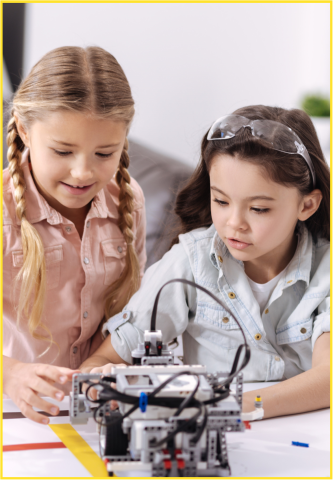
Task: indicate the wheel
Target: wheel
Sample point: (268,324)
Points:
(112,440)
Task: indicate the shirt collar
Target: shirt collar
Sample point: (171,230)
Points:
(38,209)
(299,267)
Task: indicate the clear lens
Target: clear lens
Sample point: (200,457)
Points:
(281,138)
(274,134)
(227,127)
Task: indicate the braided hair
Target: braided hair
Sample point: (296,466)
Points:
(117,296)
(33,273)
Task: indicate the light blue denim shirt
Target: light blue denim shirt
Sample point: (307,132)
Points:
(298,310)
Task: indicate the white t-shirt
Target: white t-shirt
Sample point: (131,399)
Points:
(263,291)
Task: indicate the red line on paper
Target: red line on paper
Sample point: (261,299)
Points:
(32,446)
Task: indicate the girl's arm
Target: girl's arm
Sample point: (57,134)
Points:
(22,382)
(305,392)
(103,359)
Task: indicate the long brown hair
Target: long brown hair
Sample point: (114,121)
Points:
(193,201)
(82,80)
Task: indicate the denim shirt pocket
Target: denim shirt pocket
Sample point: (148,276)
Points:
(218,325)
(53,259)
(296,332)
(114,253)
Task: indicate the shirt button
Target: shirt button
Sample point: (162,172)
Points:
(85,314)
(74,350)
(86,260)
(277,359)
(266,311)
(303,330)
(119,249)
(225,319)
(220,258)
(257,336)
(88,224)
(68,229)
(231,295)
(125,316)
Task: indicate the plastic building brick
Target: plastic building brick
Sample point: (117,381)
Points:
(172,419)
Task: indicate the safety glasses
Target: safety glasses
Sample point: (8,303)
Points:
(273,134)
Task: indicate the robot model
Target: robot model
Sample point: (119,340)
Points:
(171,419)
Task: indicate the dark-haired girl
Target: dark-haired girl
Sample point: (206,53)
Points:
(255,232)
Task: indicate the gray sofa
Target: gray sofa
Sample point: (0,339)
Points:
(160,177)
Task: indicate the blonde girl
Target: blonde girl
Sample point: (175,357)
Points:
(73,221)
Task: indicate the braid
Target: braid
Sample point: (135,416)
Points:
(15,147)
(117,295)
(33,271)
(125,196)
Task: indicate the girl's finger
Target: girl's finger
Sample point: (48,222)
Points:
(56,374)
(30,413)
(92,393)
(67,372)
(32,399)
(43,387)
(114,405)
(47,379)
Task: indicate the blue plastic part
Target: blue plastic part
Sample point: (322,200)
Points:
(299,444)
(143,401)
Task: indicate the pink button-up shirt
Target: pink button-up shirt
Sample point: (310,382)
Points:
(78,271)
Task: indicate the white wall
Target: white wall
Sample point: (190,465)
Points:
(191,63)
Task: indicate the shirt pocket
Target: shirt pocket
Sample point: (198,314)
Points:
(114,253)
(53,259)
(297,332)
(218,326)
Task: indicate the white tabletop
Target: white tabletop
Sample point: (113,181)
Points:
(263,451)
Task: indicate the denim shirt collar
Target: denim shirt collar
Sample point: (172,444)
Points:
(299,267)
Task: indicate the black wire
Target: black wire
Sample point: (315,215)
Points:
(106,379)
(236,359)
(104,424)
(217,399)
(183,426)
(197,436)
(188,399)
(92,385)
(235,363)
(247,355)
(110,393)
(168,380)
(192,284)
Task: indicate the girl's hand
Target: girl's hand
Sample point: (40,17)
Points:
(22,382)
(106,369)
